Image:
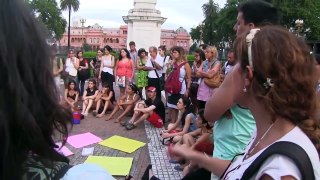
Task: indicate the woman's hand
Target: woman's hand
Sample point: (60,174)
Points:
(165,135)
(181,150)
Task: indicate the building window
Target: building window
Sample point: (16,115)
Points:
(125,41)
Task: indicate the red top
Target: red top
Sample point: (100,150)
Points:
(125,68)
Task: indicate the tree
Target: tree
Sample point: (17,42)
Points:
(208,27)
(86,47)
(195,33)
(50,15)
(69,5)
(307,10)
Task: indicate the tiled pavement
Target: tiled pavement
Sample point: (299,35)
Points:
(158,155)
(153,152)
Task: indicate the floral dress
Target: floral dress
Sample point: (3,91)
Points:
(142,80)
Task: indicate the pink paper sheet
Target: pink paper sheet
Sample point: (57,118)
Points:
(64,150)
(81,140)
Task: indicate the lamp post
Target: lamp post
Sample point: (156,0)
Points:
(299,26)
(82,21)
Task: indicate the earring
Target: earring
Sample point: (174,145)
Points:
(244,89)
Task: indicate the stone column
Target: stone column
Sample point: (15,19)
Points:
(144,24)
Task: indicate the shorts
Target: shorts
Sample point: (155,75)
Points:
(155,120)
(206,147)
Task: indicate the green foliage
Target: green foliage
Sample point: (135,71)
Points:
(86,47)
(193,48)
(307,10)
(190,57)
(90,54)
(208,27)
(50,15)
(195,33)
(69,5)
(217,25)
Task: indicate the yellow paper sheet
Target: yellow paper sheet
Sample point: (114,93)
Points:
(116,166)
(122,144)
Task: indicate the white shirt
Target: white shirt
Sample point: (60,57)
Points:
(277,166)
(105,62)
(152,74)
(69,65)
(165,65)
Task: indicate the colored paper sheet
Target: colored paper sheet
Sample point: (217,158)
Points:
(122,144)
(81,140)
(64,150)
(116,166)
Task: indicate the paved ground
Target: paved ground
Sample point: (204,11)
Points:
(104,130)
(141,158)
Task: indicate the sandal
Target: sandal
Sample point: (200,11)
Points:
(123,123)
(130,126)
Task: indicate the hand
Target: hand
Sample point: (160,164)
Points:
(99,77)
(181,150)
(186,94)
(165,135)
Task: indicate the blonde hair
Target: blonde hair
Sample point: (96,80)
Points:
(214,51)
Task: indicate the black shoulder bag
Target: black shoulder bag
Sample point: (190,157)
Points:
(291,150)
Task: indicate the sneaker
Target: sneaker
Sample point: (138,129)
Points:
(178,168)
(130,126)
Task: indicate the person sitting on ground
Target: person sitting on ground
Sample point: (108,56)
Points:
(199,140)
(71,95)
(126,103)
(31,117)
(88,97)
(104,98)
(151,110)
(184,124)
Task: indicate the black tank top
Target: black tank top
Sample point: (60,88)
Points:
(72,97)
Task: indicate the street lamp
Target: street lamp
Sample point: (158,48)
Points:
(82,21)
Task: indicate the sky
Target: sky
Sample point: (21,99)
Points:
(108,13)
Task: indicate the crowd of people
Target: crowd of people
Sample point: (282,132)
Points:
(223,119)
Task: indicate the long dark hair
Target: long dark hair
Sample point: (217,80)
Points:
(189,107)
(127,52)
(29,110)
(75,85)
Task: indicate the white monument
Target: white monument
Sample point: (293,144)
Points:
(144,24)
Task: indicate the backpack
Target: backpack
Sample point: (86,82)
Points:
(293,151)
(173,84)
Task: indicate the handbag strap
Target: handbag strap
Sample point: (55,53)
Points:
(155,70)
(291,150)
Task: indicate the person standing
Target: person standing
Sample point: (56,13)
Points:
(124,70)
(142,78)
(96,66)
(154,66)
(72,65)
(107,68)
(83,72)
(209,68)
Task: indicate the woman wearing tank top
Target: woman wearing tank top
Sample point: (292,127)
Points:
(178,55)
(126,103)
(124,69)
(106,69)
(71,94)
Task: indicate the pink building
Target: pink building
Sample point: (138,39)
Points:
(97,36)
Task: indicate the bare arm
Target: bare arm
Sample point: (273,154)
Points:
(225,96)
(77,96)
(75,62)
(212,72)
(195,132)
(133,68)
(136,98)
(188,77)
(215,165)
(203,138)
(184,130)
(91,64)
(109,97)
(147,109)
(66,96)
